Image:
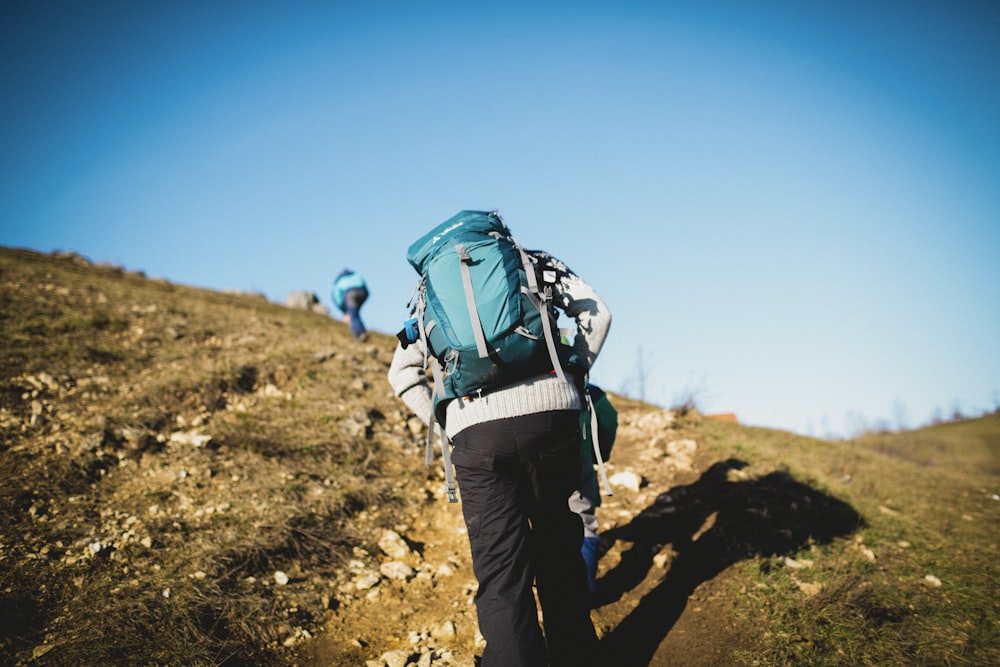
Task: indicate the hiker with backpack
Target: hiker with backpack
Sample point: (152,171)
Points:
(349,293)
(508,396)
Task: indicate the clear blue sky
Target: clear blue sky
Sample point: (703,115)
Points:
(792,208)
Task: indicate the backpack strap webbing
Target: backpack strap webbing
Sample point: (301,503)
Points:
(541,298)
(450,488)
(449,469)
(597,446)
(432,424)
(470,301)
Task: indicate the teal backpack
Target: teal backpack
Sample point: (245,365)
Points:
(479,307)
(485,318)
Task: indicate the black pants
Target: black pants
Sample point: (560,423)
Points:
(515,477)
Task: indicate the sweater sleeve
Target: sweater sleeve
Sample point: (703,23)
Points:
(581,303)
(409,381)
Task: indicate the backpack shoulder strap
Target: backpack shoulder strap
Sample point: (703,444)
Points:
(540,299)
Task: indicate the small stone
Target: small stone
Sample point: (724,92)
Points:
(933,581)
(192,438)
(629,480)
(809,588)
(280,578)
(393,545)
(416,426)
(396,570)
(396,658)
(444,631)
(366,580)
(41,650)
(795,564)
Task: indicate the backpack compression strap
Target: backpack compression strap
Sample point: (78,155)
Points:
(540,299)
(597,446)
(449,469)
(470,301)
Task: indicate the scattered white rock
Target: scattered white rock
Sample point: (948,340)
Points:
(40,650)
(280,578)
(395,658)
(795,564)
(933,581)
(396,570)
(681,453)
(192,438)
(298,636)
(658,420)
(366,580)
(416,426)
(810,589)
(445,631)
(628,480)
(271,391)
(306,301)
(393,545)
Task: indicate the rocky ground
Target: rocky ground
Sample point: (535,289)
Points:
(214,471)
(204,478)
(418,602)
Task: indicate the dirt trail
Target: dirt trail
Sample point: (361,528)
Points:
(647,613)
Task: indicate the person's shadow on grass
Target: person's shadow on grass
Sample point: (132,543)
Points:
(711,524)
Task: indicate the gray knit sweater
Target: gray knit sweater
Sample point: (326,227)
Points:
(541,393)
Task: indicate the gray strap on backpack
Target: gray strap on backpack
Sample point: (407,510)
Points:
(449,469)
(470,301)
(540,299)
(450,488)
(597,446)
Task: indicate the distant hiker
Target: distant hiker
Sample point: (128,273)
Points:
(588,497)
(516,441)
(349,293)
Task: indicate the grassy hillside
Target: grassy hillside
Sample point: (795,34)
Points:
(916,583)
(165,451)
(199,478)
